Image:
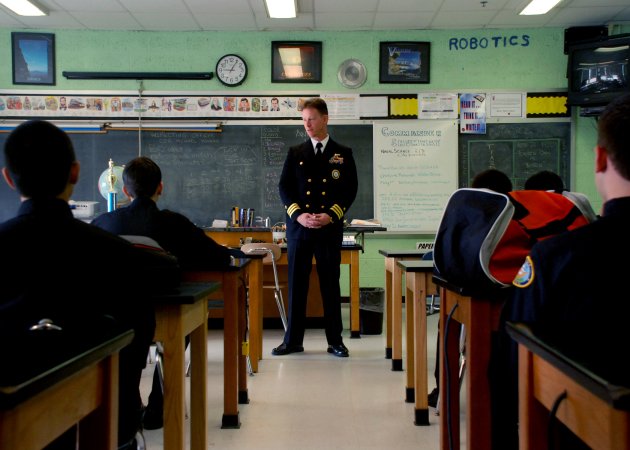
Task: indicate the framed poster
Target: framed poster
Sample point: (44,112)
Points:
(296,62)
(404,62)
(33,58)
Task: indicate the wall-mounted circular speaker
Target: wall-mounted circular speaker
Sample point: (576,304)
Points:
(352,73)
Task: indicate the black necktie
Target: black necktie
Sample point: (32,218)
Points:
(320,152)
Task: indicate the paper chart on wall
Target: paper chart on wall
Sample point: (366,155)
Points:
(415,172)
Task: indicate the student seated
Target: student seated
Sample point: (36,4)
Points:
(194,249)
(545,180)
(55,266)
(571,289)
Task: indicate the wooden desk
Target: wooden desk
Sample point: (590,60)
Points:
(232,292)
(596,411)
(71,384)
(232,236)
(257,273)
(393,302)
(417,279)
(479,313)
(349,256)
(178,314)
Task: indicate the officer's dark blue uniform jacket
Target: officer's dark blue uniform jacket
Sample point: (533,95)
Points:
(316,186)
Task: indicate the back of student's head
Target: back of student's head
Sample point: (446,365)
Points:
(38,156)
(142,177)
(492,179)
(545,180)
(613,127)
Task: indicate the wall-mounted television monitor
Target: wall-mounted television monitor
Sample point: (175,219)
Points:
(598,71)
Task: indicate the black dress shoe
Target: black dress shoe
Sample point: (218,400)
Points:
(433,397)
(153,419)
(339,350)
(131,445)
(284,349)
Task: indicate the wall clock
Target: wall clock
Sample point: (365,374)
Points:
(231,70)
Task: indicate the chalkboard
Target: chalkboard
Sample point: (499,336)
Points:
(518,149)
(206,174)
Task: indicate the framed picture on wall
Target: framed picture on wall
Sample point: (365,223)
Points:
(296,62)
(404,62)
(33,58)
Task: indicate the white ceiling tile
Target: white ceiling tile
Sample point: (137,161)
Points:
(301,22)
(409,21)
(220,6)
(8,20)
(344,21)
(583,16)
(155,6)
(461,19)
(306,6)
(85,5)
(341,6)
(226,21)
(314,15)
(589,3)
(511,19)
(390,6)
(173,21)
(472,5)
(55,19)
(107,21)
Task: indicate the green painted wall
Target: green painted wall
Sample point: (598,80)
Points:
(524,59)
(461,60)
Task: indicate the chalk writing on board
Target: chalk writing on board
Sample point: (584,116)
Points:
(274,146)
(204,182)
(518,149)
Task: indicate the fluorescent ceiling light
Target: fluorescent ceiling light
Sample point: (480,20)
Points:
(24,8)
(537,7)
(281,9)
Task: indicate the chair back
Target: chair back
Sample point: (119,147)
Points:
(267,247)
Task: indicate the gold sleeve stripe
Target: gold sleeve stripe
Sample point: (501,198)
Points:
(294,207)
(337,210)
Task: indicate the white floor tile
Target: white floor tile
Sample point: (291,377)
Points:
(313,400)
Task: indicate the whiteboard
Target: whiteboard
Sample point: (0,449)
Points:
(415,172)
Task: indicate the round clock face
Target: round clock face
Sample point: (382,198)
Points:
(231,70)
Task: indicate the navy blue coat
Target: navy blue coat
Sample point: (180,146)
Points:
(173,231)
(56,266)
(309,185)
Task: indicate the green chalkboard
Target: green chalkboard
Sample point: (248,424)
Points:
(518,149)
(206,174)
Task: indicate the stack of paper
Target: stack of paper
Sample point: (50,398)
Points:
(365,223)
